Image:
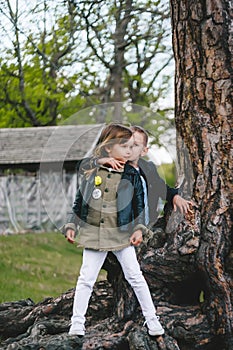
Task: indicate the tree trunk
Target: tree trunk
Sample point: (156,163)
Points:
(203,45)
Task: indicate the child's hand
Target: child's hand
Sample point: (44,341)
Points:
(116,164)
(70,235)
(136,238)
(182,204)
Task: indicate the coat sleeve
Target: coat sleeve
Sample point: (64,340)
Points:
(83,193)
(165,192)
(73,217)
(86,164)
(138,201)
(138,207)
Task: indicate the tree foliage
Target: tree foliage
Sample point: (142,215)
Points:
(128,38)
(63,56)
(33,87)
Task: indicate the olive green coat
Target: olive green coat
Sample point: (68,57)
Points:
(100,232)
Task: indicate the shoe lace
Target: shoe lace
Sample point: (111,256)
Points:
(151,319)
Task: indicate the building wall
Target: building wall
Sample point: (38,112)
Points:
(38,202)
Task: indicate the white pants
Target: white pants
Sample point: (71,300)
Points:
(92,263)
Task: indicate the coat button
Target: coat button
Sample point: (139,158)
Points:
(106,190)
(109,176)
(102,221)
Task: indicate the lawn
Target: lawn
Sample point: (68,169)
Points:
(37,266)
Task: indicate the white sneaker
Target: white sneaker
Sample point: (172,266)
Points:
(154,326)
(77,329)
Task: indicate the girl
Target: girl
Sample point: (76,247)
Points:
(109,211)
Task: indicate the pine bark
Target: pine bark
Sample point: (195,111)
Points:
(203,45)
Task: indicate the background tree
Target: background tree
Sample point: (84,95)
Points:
(127,38)
(42,43)
(77,54)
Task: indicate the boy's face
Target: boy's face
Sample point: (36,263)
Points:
(139,148)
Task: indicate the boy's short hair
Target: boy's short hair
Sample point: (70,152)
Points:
(142,131)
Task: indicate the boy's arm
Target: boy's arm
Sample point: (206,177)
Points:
(165,192)
(182,204)
(173,198)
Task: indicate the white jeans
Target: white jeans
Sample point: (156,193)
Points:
(92,263)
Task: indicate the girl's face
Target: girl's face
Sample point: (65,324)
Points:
(121,151)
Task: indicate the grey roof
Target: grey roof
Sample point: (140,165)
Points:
(47,144)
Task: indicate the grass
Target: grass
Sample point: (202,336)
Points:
(37,266)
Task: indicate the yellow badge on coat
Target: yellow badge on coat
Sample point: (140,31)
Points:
(98,180)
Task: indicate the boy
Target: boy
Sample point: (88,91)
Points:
(154,186)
